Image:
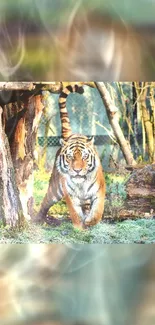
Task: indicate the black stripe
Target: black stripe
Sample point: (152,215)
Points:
(63,95)
(70,187)
(80,90)
(70,88)
(91,159)
(72,146)
(92,202)
(63,114)
(76,88)
(75,145)
(63,158)
(62,105)
(91,185)
(62,166)
(93,165)
(94,160)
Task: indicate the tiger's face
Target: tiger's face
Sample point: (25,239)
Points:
(77,158)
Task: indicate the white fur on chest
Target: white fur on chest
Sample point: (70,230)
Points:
(81,190)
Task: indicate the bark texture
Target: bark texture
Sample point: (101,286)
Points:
(10,206)
(22,147)
(140,188)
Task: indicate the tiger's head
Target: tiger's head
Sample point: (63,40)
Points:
(77,158)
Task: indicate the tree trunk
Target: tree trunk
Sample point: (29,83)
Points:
(10,206)
(152,102)
(140,189)
(113,120)
(148,125)
(54,87)
(136,121)
(22,148)
(142,90)
(22,110)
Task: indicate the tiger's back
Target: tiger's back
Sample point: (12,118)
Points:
(77,174)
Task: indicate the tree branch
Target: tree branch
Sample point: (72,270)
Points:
(111,110)
(31,86)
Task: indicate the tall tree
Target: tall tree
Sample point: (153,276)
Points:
(11,212)
(20,115)
(22,150)
(112,111)
(145,101)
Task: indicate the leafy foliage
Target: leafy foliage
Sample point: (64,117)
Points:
(115,194)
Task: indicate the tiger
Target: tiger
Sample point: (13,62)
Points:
(77,174)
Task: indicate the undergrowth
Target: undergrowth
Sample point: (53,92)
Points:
(61,230)
(115,193)
(129,231)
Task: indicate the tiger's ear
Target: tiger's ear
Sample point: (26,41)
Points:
(62,142)
(91,140)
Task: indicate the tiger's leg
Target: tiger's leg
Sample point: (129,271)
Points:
(96,211)
(53,195)
(76,213)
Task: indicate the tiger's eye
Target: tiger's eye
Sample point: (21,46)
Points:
(68,156)
(85,156)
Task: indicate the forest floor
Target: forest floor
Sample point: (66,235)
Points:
(128,231)
(60,230)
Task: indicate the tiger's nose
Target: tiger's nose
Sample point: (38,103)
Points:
(77,170)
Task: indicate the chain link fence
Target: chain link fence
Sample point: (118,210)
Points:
(87,116)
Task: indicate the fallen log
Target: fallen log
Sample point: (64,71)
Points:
(140,187)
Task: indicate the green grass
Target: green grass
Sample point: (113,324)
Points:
(62,231)
(40,187)
(129,231)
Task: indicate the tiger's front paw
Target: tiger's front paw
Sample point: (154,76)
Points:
(79,226)
(92,221)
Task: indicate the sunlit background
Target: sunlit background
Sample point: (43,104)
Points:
(77,40)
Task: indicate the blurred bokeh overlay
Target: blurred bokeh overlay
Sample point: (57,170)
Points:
(77,284)
(53,40)
(77,40)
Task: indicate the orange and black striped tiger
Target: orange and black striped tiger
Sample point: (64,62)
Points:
(77,174)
